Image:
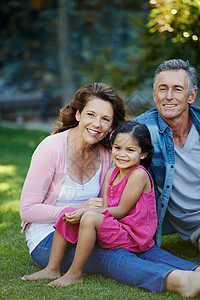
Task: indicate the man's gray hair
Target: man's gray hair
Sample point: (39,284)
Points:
(178,64)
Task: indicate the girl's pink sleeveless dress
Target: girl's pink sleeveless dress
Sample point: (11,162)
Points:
(134,232)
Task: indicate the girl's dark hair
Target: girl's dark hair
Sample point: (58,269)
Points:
(141,133)
(80,99)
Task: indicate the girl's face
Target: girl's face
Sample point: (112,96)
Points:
(95,120)
(126,153)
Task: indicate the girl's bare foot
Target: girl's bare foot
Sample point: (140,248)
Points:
(46,273)
(67,279)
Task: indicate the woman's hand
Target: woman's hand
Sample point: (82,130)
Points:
(74,216)
(93,203)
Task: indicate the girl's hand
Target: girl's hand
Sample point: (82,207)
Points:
(93,203)
(73,217)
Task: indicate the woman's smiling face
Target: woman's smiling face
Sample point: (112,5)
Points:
(95,120)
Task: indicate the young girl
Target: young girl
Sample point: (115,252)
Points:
(128,217)
(127,220)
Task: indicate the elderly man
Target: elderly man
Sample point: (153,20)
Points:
(175,129)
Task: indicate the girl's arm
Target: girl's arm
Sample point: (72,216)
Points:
(137,183)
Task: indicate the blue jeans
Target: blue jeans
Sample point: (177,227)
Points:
(147,269)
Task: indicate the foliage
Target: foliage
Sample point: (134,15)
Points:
(16,147)
(179,23)
(171,30)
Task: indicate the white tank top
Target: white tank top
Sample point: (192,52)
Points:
(70,194)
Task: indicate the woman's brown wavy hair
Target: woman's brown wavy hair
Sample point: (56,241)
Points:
(80,99)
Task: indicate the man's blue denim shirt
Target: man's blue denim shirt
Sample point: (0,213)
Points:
(163,162)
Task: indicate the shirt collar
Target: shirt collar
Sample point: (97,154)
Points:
(162,124)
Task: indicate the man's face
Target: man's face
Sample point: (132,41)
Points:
(171,93)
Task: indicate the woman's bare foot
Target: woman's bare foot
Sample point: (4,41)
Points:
(46,273)
(67,279)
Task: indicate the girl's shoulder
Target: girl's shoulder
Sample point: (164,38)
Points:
(138,170)
(140,174)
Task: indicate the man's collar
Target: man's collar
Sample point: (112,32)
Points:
(162,124)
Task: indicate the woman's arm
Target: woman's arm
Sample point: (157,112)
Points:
(41,186)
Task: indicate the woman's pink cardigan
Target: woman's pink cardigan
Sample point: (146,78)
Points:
(45,178)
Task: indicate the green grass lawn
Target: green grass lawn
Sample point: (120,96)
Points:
(16,148)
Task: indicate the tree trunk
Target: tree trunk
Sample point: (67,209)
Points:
(65,57)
